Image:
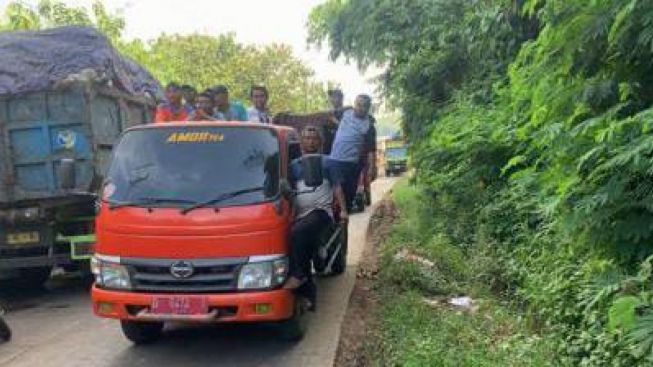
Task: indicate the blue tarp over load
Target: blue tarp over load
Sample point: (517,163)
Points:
(40,60)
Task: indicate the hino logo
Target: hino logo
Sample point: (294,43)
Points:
(181,269)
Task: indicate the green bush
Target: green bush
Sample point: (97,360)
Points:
(414,332)
(531,130)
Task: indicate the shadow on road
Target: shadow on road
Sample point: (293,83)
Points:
(16,297)
(208,345)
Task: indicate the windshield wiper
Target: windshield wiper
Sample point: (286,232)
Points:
(148,201)
(222,197)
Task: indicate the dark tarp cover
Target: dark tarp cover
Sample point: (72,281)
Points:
(33,61)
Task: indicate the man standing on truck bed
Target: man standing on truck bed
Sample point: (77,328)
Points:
(314,214)
(336,99)
(203,108)
(259,111)
(172,109)
(226,110)
(355,138)
(189,93)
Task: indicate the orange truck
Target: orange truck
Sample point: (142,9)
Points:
(193,227)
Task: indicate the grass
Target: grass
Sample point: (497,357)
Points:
(416,332)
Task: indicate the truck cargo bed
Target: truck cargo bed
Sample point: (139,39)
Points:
(38,130)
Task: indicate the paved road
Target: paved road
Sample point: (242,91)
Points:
(57,328)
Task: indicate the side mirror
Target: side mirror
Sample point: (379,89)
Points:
(312,168)
(66,173)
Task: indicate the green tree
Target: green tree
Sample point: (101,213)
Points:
(431,48)
(204,61)
(19,17)
(531,121)
(198,60)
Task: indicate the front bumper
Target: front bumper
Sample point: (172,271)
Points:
(228,307)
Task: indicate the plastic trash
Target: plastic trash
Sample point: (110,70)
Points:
(465,302)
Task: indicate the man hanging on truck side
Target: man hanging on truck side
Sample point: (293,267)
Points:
(314,214)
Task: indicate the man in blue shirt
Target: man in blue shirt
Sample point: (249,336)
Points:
(355,143)
(313,215)
(226,110)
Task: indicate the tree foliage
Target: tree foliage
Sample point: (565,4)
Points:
(205,61)
(531,124)
(199,60)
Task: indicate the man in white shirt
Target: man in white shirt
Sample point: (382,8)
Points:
(313,214)
(259,111)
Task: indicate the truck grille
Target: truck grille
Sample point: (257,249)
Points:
(208,276)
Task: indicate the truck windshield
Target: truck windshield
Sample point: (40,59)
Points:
(185,166)
(396,153)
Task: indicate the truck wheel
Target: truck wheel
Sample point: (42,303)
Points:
(340,263)
(293,329)
(359,205)
(5,332)
(387,173)
(34,277)
(142,332)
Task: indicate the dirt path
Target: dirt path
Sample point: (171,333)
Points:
(57,328)
(359,322)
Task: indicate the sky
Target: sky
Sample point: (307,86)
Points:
(253,22)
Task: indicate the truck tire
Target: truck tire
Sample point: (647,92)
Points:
(340,263)
(293,329)
(142,332)
(5,332)
(387,173)
(358,204)
(368,198)
(34,277)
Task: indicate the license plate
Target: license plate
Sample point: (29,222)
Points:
(180,306)
(22,238)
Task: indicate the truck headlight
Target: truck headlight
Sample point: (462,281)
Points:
(109,273)
(263,272)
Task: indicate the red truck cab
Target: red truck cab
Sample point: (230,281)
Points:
(193,226)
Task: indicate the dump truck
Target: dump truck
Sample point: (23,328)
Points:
(396,156)
(65,97)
